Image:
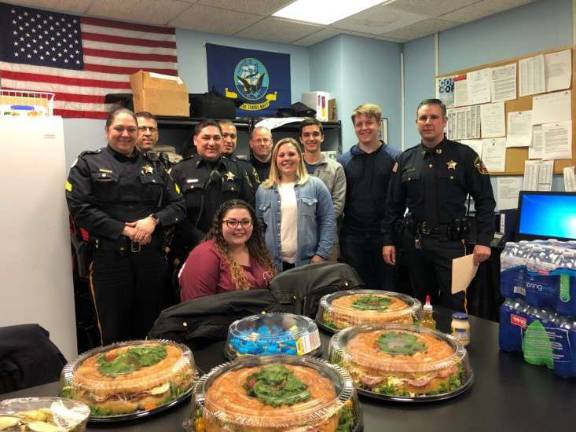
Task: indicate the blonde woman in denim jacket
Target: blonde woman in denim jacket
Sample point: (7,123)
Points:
(295,209)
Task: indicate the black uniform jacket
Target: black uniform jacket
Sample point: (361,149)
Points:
(206,185)
(106,189)
(434,183)
(250,171)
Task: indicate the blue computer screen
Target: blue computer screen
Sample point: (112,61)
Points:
(547,215)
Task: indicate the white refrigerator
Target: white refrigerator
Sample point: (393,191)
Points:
(35,261)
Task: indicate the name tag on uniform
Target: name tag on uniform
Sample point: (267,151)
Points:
(192,181)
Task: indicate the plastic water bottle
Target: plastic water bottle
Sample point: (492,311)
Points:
(565,347)
(539,337)
(541,283)
(566,289)
(513,322)
(512,271)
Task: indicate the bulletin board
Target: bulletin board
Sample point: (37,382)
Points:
(516,156)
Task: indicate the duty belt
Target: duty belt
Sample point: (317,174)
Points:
(124,245)
(423,228)
(426,229)
(456,230)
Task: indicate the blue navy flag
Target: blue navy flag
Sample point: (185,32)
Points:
(260,78)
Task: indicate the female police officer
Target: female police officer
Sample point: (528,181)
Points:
(124,200)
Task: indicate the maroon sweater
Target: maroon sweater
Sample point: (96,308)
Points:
(205,272)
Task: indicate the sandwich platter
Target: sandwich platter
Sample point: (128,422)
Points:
(130,380)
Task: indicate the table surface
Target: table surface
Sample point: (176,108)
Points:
(507,394)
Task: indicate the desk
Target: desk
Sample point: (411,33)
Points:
(508,395)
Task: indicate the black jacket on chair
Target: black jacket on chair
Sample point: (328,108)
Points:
(295,291)
(27,357)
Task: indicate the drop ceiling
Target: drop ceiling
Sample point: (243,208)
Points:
(392,20)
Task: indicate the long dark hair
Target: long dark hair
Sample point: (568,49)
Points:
(255,244)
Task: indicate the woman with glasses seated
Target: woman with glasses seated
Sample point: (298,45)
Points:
(296,210)
(232,257)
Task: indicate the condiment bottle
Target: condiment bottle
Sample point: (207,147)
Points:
(428,315)
(461,327)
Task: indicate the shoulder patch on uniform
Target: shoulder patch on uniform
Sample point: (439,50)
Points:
(395,167)
(480,166)
(90,152)
(68,186)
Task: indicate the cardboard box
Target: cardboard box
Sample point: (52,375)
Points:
(332,115)
(159,94)
(317,100)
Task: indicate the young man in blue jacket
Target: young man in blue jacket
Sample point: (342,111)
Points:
(368,167)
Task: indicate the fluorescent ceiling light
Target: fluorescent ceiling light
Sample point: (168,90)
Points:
(324,11)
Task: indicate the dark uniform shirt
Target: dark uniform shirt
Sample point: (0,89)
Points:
(206,185)
(106,189)
(434,183)
(250,171)
(262,168)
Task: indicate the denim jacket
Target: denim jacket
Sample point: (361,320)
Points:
(316,222)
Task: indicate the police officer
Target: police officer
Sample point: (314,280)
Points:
(261,144)
(206,180)
(124,200)
(229,143)
(433,180)
(148,136)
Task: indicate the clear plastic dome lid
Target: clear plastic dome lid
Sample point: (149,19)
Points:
(277,393)
(43,414)
(366,307)
(402,361)
(130,377)
(273,334)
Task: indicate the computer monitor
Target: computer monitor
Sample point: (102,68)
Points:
(544,215)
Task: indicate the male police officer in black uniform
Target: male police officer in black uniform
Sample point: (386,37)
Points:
(433,180)
(206,180)
(229,142)
(124,200)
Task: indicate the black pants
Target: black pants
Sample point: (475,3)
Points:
(128,292)
(364,253)
(430,269)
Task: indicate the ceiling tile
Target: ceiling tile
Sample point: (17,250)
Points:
(431,8)
(378,20)
(483,9)
(317,37)
(141,11)
(421,29)
(256,7)
(64,6)
(213,20)
(278,30)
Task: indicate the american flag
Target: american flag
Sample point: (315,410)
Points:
(80,59)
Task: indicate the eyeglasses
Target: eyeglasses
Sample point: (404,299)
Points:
(151,129)
(233,223)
